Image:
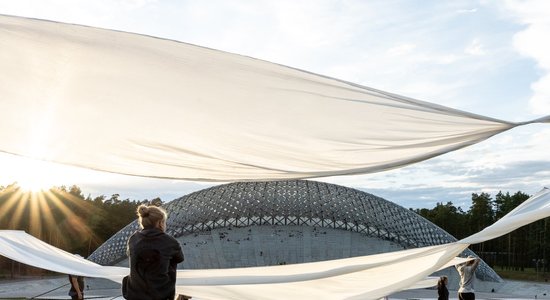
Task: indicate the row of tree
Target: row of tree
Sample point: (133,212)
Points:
(65,218)
(526,247)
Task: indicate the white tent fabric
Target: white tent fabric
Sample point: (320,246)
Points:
(366,277)
(139,105)
(22,247)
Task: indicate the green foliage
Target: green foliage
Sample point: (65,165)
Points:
(447,216)
(481,212)
(528,274)
(516,251)
(65,218)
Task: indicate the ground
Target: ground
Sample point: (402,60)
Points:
(100,289)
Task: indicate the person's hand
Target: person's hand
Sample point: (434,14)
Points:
(80,297)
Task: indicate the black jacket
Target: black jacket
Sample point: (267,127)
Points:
(442,292)
(154,257)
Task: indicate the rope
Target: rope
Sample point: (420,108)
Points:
(66,284)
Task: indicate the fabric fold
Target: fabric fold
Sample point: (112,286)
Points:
(132,104)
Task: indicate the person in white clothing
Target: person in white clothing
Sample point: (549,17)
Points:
(467,273)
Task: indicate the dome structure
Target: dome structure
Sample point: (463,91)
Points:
(242,224)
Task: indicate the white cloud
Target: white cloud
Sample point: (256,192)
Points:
(445,59)
(133,4)
(402,49)
(533,42)
(540,101)
(431,89)
(475,48)
(465,11)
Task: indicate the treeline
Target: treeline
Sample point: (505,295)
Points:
(526,247)
(65,218)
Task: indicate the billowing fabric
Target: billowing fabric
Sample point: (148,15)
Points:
(133,104)
(365,277)
(25,248)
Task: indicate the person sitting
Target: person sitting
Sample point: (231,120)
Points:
(154,256)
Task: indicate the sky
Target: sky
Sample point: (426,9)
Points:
(487,57)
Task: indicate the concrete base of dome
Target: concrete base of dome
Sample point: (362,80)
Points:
(233,247)
(251,246)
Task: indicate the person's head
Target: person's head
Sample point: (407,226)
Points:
(442,281)
(151,217)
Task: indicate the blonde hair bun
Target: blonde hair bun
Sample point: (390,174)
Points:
(143,211)
(149,216)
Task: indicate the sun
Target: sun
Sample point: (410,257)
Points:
(32,185)
(35,203)
(35,175)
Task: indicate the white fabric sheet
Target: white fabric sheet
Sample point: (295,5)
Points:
(25,248)
(365,277)
(139,105)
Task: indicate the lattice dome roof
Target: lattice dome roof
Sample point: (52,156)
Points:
(297,202)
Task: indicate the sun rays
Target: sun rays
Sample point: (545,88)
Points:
(53,215)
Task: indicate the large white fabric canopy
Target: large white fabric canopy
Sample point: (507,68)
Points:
(366,277)
(139,105)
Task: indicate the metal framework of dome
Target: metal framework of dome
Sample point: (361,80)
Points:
(296,202)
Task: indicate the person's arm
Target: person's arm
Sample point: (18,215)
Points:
(176,252)
(178,257)
(460,268)
(76,286)
(476,263)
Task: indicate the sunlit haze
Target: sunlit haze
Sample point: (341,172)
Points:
(35,175)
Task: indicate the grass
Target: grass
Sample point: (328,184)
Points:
(528,274)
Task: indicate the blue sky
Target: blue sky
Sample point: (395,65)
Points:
(487,57)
